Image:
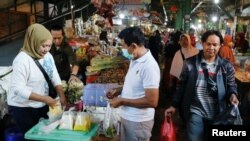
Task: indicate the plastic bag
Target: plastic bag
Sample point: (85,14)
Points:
(49,128)
(83,122)
(236,113)
(111,122)
(231,116)
(67,121)
(56,112)
(167,132)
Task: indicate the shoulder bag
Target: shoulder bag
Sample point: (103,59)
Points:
(52,91)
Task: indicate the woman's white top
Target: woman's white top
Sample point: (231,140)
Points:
(27,78)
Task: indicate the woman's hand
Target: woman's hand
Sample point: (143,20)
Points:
(63,100)
(50,101)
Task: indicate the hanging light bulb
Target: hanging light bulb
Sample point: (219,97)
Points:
(199,26)
(121,16)
(214,18)
(216,1)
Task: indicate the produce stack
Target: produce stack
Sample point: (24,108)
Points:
(101,67)
(73,91)
(115,75)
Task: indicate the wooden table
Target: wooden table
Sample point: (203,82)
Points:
(243,87)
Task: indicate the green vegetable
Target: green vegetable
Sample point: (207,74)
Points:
(73,91)
(111,132)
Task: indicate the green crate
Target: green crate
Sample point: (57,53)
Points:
(61,135)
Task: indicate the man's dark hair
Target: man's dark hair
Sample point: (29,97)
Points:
(132,35)
(209,33)
(57,27)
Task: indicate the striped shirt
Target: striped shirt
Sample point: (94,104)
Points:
(205,103)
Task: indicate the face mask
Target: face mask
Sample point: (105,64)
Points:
(126,54)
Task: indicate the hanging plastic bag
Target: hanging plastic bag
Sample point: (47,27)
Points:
(236,113)
(231,116)
(110,122)
(167,132)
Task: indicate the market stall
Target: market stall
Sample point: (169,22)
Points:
(242,77)
(104,69)
(4,84)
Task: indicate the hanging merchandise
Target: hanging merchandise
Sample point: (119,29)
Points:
(105,9)
(79,27)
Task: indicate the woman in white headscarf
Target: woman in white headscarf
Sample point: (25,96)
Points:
(186,51)
(28,97)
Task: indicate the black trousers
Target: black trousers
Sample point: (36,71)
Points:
(27,117)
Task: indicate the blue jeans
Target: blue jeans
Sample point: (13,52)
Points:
(195,128)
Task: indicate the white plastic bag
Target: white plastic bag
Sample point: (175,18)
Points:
(111,122)
(49,128)
(67,121)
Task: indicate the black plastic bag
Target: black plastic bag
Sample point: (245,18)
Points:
(230,116)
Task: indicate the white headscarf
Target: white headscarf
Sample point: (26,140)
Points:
(177,63)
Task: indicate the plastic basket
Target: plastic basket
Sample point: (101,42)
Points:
(95,94)
(61,135)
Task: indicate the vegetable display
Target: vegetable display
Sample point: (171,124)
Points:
(73,90)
